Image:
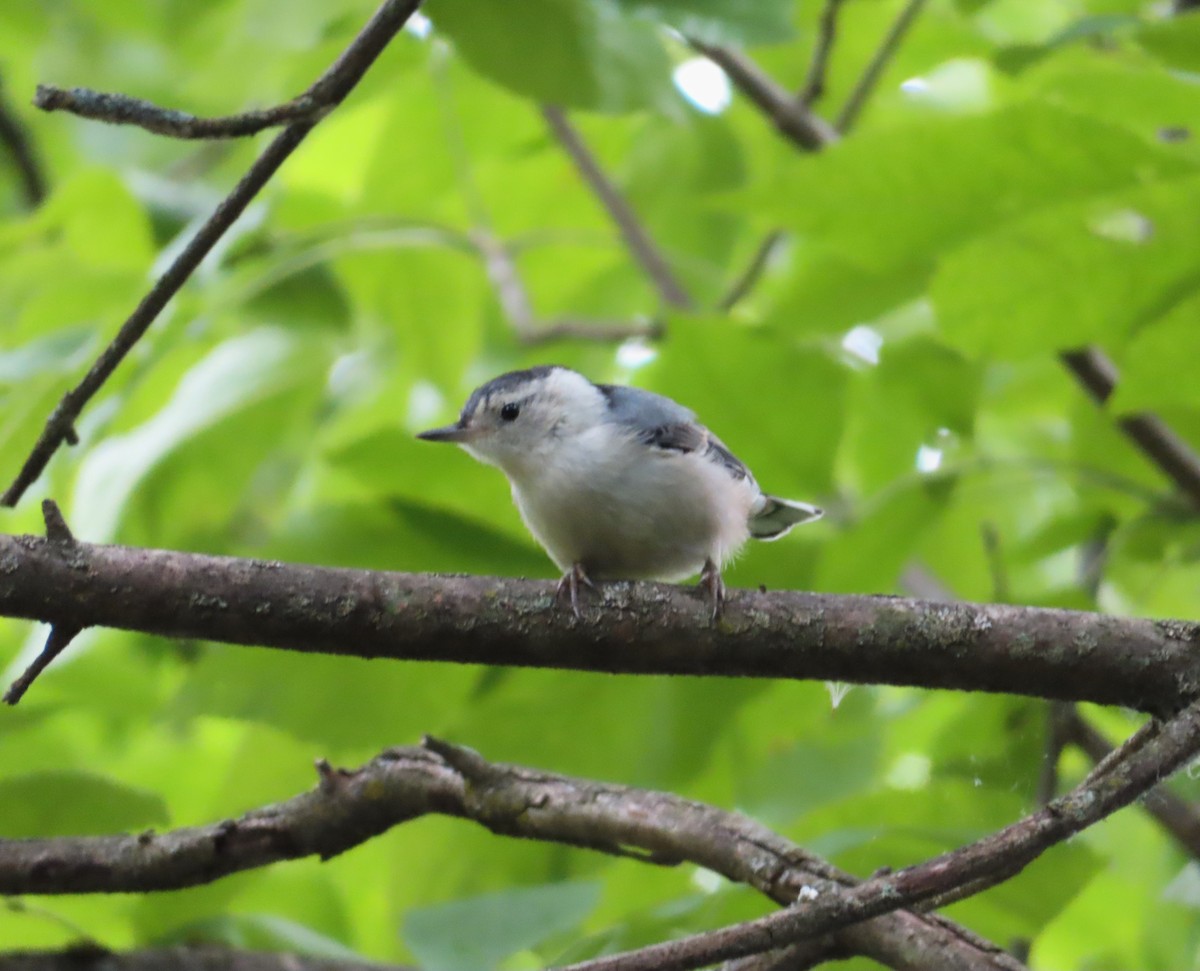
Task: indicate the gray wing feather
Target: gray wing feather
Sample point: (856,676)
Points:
(662,423)
(643,409)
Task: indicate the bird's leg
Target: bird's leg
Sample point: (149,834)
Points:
(570,583)
(714,588)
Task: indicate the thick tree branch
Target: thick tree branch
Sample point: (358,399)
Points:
(1151,755)
(637,239)
(330,89)
(14,138)
(870,77)
(1170,453)
(207,958)
(640,628)
(793,120)
(348,807)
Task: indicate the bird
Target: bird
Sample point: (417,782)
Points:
(616,482)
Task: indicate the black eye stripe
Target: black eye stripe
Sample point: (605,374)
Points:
(510,411)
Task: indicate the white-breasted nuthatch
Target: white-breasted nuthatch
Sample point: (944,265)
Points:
(617,482)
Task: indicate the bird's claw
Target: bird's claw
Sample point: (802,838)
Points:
(570,583)
(714,588)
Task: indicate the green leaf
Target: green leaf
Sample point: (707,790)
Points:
(67,802)
(1174,40)
(589,53)
(477,933)
(1156,369)
(102,223)
(719,21)
(870,553)
(828,292)
(243,371)
(259,932)
(920,394)
(61,352)
(1003,294)
(777,405)
(899,196)
(1139,95)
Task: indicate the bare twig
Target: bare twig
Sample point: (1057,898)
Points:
(405,783)
(15,139)
(63,631)
(498,256)
(754,270)
(1151,755)
(639,628)
(1057,715)
(796,957)
(123,109)
(1170,453)
(514,301)
(870,77)
(597,330)
(1177,816)
(329,89)
(793,120)
(636,238)
(814,82)
(995,561)
(61,634)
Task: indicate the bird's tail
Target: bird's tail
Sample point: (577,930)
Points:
(775,516)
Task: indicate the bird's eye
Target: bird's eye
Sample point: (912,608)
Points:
(510,411)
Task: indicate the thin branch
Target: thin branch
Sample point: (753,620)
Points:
(347,808)
(870,77)
(1151,755)
(1057,715)
(636,238)
(1177,816)
(513,297)
(123,109)
(16,140)
(1166,450)
(639,628)
(792,119)
(749,277)
(814,82)
(497,255)
(64,630)
(203,958)
(596,330)
(61,634)
(330,89)
(995,561)
(797,957)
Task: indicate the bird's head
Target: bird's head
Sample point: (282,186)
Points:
(516,421)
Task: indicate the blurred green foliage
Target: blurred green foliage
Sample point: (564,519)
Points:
(1026,178)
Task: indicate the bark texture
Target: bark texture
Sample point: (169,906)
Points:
(639,628)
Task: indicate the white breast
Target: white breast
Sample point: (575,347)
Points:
(640,513)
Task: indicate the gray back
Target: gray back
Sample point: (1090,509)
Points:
(644,410)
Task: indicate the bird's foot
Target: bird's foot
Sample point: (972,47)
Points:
(714,588)
(570,584)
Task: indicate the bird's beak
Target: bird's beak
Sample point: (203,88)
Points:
(447,433)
